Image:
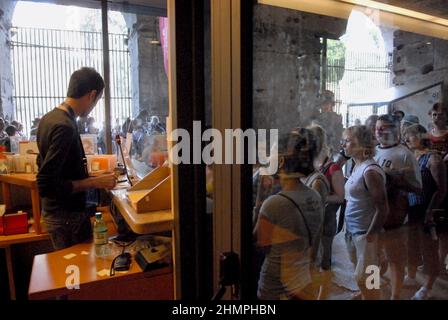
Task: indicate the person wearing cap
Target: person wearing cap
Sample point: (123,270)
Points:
(407,121)
(403,176)
(410,119)
(330,119)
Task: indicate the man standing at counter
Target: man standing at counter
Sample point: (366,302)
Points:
(62,178)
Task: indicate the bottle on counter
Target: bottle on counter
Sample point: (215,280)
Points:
(100,236)
(28,167)
(3,164)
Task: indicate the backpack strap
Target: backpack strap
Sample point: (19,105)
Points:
(315,176)
(310,177)
(310,240)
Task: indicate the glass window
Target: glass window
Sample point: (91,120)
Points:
(141,84)
(322,75)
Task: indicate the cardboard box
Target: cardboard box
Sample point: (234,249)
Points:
(153,192)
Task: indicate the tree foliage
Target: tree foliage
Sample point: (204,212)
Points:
(335,60)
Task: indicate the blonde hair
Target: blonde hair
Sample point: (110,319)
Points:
(364,138)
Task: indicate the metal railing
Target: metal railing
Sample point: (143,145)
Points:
(358,75)
(44,59)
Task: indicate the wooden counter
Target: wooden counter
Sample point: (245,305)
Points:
(27,180)
(48,278)
(6,242)
(142,223)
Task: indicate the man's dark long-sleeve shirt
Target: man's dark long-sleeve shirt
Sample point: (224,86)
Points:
(60,162)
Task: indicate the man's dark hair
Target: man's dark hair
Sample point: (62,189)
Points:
(83,81)
(390,119)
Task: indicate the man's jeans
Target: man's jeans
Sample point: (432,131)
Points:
(67,228)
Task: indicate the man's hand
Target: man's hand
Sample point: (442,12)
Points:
(106,181)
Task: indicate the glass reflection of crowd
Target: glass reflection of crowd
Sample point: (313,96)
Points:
(142,129)
(386,184)
(10,129)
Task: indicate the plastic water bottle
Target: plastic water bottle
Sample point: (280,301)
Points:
(100,236)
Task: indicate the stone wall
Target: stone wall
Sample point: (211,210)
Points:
(420,61)
(6,82)
(286,66)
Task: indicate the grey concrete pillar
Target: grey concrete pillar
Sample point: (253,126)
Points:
(149,80)
(6,80)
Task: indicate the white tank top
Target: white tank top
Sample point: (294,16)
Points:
(360,207)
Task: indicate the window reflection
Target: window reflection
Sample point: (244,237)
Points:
(371,95)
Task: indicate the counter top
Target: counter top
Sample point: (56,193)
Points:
(51,273)
(142,223)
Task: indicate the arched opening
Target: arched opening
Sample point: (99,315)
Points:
(368,66)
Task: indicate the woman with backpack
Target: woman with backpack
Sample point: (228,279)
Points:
(365,192)
(289,223)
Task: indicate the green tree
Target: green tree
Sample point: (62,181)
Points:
(335,60)
(335,49)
